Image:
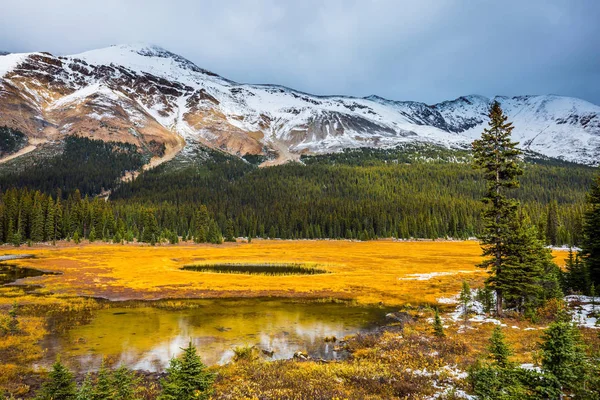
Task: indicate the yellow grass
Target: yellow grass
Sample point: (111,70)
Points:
(369,272)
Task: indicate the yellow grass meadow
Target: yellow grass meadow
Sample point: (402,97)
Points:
(385,271)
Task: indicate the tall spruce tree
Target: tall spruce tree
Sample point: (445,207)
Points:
(498,157)
(590,248)
(527,265)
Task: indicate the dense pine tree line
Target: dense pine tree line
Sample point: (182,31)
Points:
(377,199)
(34,216)
(91,166)
(357,194)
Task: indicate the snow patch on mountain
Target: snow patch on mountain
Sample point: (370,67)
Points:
(196,103)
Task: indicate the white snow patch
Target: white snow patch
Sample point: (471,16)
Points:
(429,275)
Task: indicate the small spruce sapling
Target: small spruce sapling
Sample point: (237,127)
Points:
(438,328)
(499,350)
(465,298)
(60,385)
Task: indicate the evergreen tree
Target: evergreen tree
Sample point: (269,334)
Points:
(438,327)
(49,231)
(187,378)
(201,225)
(92,235)
(590,248)
(16,239)
(13,323)
(150,230)
(562,353)
(60,384)
(125,383)
(229,232)
(214,233)
(497,156)
(526,264)
(552,224)
(499,350)
(486,297)
(576,276)
(86,390)
(37,223)
(465,299)
(103,389)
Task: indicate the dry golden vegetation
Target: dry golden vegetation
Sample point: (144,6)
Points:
(369,272)
(397,274)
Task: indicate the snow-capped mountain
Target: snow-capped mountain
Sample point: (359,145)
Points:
(146,95)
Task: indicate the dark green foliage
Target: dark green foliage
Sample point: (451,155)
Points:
(465,299)
(86,389)
(38,216)
(60,384)
(498,157)
(337,200)
(491,382)
(485,296)
(229,231)
(562,354)
(552,224)
(576,277)
(503,379)
(438,327)
(376,195)
(260,269)
(103,388)
(11,140)
(499,350)
(214,233)
(187,378)
(529,274)
(13,322)
(85,164)
(125,384)
(590,248)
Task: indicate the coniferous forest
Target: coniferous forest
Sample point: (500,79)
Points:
(357,194)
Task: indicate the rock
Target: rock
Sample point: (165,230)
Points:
(401,317)
(302,356)
(268,353)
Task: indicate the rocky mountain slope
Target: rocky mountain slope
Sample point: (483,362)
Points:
(159,101)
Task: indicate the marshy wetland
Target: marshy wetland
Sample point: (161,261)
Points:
(138,306)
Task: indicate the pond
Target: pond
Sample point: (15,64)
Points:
(12,273)
(146,335)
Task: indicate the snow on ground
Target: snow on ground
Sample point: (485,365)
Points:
(586,311)
(429,275)
(10,61)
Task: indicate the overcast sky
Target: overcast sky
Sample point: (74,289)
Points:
(424,50)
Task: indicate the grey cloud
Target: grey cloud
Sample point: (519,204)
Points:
(428,50)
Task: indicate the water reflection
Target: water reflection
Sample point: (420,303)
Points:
(147,337)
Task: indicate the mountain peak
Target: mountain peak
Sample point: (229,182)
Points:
(143,57)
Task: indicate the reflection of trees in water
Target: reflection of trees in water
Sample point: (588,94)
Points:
(143,336)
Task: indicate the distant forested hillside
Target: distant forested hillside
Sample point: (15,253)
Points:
(423,193)
(410,192)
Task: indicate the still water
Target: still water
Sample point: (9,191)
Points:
(146,335)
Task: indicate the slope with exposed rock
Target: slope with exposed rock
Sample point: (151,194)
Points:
(155,99)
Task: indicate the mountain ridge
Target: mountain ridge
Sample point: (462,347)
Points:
(144,94)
